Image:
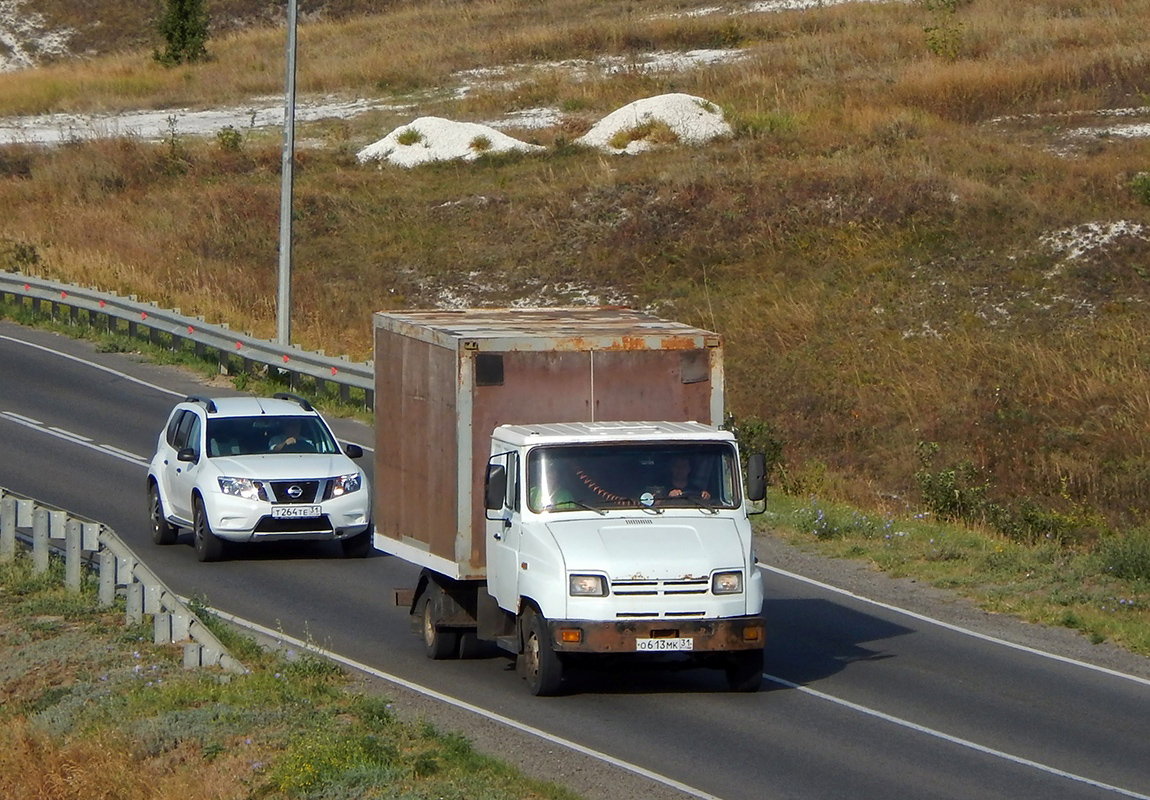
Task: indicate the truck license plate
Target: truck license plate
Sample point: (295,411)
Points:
(665,644)
(295,512)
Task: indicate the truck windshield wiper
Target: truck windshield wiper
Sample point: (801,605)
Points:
(580,503)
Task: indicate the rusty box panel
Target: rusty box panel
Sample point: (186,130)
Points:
(437,402)
(415,447)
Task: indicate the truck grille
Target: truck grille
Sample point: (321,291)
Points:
(677,588)
(665,588)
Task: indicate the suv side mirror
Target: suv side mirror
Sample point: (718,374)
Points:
(352,450)
(756,477)
(187,454)
(495,487)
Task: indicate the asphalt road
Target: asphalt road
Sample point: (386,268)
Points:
(859,700)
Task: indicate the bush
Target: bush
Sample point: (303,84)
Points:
(1127,555)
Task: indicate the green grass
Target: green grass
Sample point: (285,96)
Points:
(1102,591)
(81,688)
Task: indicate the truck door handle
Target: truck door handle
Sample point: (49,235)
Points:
(498,537)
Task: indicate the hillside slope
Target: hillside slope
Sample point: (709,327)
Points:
(925,243)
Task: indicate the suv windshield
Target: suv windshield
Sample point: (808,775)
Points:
(659,475)
(247,436)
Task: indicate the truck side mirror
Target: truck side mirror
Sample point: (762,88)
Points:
(352,450)
(495,487)
(757,477)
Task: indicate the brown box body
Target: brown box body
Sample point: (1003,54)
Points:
(444,380)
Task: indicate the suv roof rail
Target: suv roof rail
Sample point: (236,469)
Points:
(295,398)
(209,404)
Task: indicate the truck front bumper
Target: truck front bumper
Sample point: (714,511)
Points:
(624,636)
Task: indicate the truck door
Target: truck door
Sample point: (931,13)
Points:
(503,535)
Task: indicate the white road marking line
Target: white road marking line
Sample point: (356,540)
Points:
(67,436)
(956,740)
(22,418)
(79,360)
(956,628)
(491,715)
(117,373)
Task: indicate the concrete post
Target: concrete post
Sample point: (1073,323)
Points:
(73,533)
(7,528)
(40,523)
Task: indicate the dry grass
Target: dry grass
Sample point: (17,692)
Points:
(869,242)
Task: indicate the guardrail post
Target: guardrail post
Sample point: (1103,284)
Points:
(7,528)
(107,578)
(72,540)
(135,603)
(40,522)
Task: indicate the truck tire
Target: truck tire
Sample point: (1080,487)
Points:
(209,547)
(542,666)
(745,670)
(163,532)
(438,644)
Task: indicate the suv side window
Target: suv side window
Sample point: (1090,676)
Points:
(188,432)
(173,426)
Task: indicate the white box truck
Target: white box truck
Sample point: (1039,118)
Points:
(560,477)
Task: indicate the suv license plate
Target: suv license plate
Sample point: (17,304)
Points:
(665,644)
(295,512)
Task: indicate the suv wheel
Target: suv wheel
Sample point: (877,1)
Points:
(358,546)
(163,532)
(209,547)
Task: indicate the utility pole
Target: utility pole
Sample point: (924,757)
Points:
(283,296)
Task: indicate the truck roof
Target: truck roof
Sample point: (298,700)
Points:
(567,432)
(578,328)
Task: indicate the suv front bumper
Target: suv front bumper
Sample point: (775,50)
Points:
(236,519)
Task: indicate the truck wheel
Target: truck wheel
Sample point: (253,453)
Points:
(163,532)
(745,670)
(209,547)
(542,666)
(437,644)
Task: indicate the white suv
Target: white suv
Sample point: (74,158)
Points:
(252,469)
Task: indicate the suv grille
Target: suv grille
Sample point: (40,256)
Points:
(295,491)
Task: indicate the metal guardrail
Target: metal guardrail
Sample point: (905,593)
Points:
(83,543)
(170,329)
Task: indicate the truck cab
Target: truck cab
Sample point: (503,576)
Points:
(622,538)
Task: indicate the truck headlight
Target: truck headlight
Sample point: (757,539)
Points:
(588,586)
(243,487)
(346,484)
(727,583)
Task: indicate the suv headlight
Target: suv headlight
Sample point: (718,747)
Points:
(346,484)
(727,582)
(587,586)
(243,487)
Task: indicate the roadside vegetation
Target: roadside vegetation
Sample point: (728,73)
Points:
(932,286)
(92,709)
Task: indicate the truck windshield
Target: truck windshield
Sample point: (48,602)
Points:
(651,475)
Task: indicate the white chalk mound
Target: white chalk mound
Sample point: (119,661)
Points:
(437,139)
(691,119)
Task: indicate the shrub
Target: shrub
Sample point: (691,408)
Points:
(1140,185)
(957,493)
(1127,555)
(184,26)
